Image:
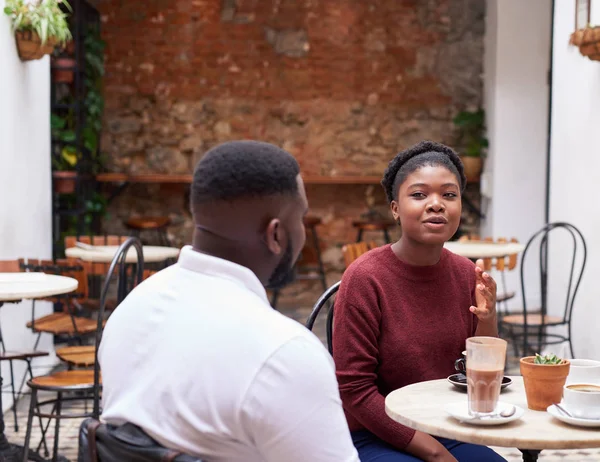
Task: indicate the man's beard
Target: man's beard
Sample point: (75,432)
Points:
(284,272)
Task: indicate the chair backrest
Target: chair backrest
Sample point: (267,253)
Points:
(93,268)
(323,299)
(71,267)
(10,266)
(99,442)
(576,267)
(352,251)
(119,262)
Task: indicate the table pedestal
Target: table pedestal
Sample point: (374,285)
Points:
(530,455)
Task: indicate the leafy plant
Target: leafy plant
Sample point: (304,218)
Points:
(547,359)
(471,127)
(47,18)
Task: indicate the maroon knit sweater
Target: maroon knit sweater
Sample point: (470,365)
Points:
(397,324)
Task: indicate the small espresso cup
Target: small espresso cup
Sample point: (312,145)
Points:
(582,400)
(461,364)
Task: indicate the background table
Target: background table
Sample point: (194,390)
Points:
(105,253)
(19,286)
(481,249)
(421,406)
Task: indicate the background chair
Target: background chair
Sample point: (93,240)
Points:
(533,324)
(321,302)
(82,381)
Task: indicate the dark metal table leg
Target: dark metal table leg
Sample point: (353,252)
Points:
(530,455)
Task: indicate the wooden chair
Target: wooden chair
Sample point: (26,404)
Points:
(69,322)
(352,251)
(27,356)
(84,355)
(86,381)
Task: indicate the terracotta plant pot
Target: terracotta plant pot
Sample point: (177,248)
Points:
(64,182)
(543,382)
(63,70)
(29,45)
(473,166)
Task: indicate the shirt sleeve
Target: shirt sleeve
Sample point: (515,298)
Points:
(355,351)
(293,411)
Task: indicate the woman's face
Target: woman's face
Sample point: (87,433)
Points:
(428,205)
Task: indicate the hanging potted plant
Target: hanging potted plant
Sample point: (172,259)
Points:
(544,378)
(39,26)
(472,142)
(63,68)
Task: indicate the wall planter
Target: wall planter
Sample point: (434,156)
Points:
(64,182)
(63,70)
(30,46)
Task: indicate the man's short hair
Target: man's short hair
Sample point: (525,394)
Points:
(243,169)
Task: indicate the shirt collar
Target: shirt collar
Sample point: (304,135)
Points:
(214,266)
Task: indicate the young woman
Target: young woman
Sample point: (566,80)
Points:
(404,310)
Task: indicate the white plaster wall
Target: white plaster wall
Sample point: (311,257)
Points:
(575,174)
(25,180)
(516,64)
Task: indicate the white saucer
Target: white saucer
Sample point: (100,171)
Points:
(578,422)
(460,411)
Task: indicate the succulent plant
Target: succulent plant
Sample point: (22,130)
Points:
(547,359)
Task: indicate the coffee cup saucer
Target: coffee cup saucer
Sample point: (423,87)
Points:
(460,411)
(460,381)
(577,421)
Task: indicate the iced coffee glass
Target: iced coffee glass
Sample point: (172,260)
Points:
(485,370)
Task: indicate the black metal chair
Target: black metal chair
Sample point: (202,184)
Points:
(100,442)
(81,383)
(321,302)
(533,325)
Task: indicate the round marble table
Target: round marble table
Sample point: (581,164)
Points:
(105,253)
(421,406)
(479,249)
(19,286)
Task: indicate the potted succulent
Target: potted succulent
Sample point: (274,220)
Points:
(544,378)
(39,26)
(472,142)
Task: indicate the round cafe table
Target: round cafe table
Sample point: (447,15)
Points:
(482,249)
(105,253)
(421,406)
(15,287)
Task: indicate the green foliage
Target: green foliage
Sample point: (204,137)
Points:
(48,18)
(471,128)
(547,359)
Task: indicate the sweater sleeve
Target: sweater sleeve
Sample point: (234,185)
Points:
(355,351)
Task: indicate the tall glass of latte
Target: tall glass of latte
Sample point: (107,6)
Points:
(485,370)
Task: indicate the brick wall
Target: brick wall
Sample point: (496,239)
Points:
(341,84)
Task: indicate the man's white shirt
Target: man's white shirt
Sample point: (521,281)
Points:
(197,358)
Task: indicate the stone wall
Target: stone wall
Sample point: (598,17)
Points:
(343,85)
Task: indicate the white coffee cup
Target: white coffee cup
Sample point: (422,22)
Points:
(584,371)
(582,400)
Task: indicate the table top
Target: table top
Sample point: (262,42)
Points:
(105,253)
(480,249)
(19,286)
(421,406)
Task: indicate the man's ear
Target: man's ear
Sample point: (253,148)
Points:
(273,236)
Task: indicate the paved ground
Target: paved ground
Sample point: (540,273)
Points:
(69,428)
